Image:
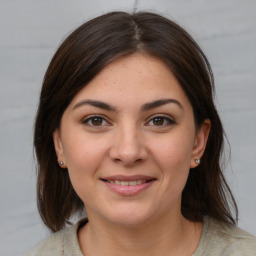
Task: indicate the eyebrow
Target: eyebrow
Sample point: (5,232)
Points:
(158,103)
(144,107)
(95,103)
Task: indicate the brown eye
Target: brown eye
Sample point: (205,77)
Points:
(158,121)
(94,121)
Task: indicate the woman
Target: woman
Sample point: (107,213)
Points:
(127,129)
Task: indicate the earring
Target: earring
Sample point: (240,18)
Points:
(197,161)
(61,162)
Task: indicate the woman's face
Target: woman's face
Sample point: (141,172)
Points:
(128,140)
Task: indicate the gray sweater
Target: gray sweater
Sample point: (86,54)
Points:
(217,239)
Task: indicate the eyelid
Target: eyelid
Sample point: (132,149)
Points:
(90,117)
(164,116)
(167,118)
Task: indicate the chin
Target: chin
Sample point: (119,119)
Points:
(130,217)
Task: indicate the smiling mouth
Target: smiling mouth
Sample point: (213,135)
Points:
(122,180)
(127,183)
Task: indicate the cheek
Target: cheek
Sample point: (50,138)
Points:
(174,153)
(84,155)
(173,160)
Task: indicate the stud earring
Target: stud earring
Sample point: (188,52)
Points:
(61,162)
(197,161)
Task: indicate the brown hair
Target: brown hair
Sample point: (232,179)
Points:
(79,59)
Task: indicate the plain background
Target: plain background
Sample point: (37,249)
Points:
(30,33)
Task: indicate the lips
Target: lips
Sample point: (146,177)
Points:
(128,185)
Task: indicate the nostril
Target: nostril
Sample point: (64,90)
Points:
(138,160)
(128,151)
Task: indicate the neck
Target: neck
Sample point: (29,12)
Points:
(177,236)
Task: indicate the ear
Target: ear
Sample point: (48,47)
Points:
(200,142)
(59,148)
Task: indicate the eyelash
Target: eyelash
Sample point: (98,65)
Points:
(167,121)
(88,121)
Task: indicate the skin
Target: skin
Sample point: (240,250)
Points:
(131,139)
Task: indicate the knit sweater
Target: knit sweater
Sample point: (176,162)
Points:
(217,239)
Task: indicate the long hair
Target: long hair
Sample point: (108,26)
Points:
(83,54)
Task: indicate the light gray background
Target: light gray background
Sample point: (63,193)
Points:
(30,33)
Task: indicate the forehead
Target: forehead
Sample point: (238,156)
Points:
(137,77)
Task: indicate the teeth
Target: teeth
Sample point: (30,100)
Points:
(127,183)
(132,183)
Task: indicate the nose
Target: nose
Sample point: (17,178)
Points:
(128,147)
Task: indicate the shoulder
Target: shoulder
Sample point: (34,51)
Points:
(224,239)
(53,245)
(63,242)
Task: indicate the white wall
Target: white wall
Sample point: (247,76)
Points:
(30,33)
